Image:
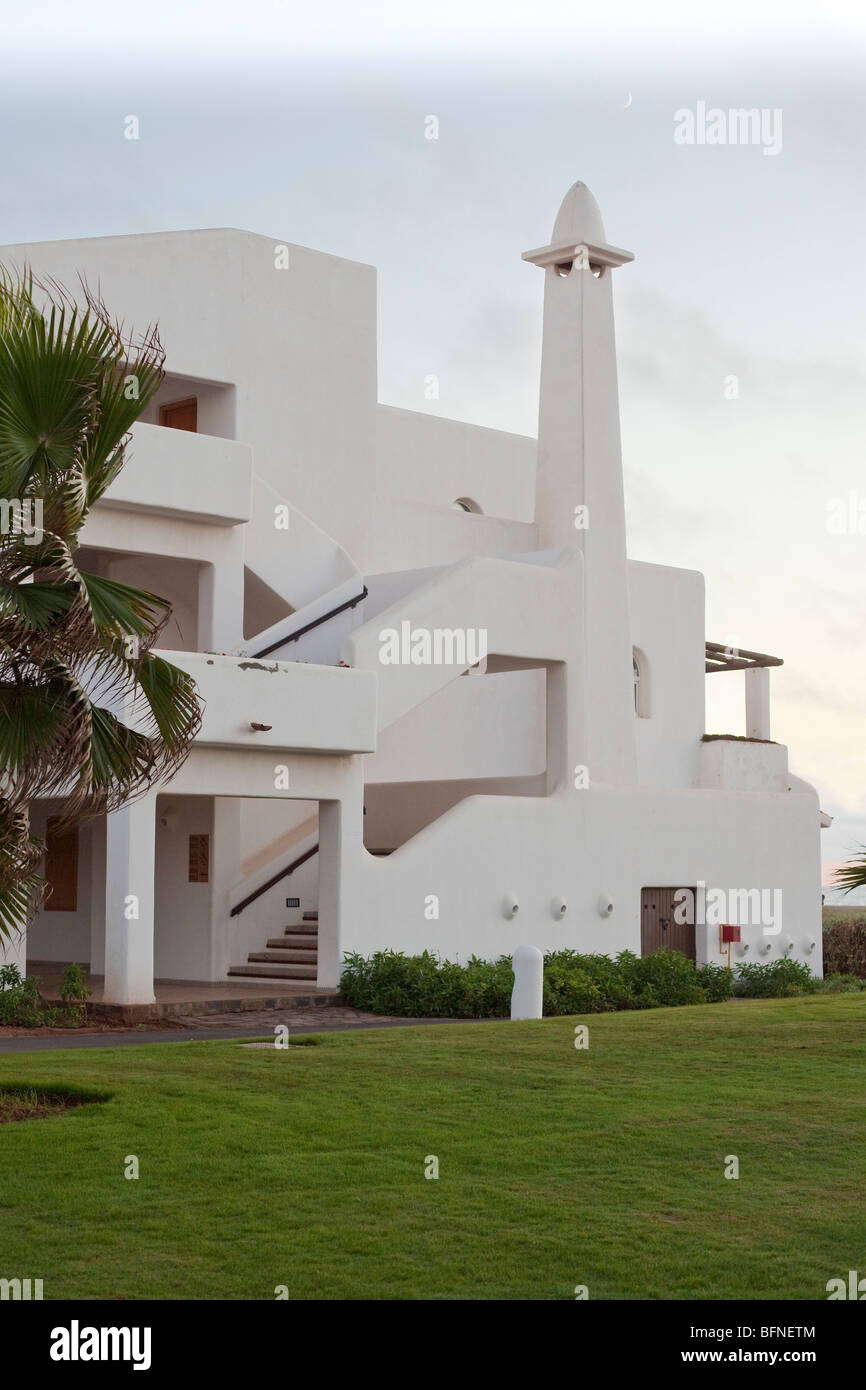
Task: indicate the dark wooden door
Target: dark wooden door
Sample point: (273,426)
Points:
(180,415)
(61,866)
(658,925)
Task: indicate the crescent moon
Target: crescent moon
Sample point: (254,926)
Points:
(628,103)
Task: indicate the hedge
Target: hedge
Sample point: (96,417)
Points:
(845,946)
(425,986)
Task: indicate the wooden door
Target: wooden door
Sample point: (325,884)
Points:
(61,867)
(658,924)
(180,415)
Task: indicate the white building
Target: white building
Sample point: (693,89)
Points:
(556,797)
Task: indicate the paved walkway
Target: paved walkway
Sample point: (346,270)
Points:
(206,1029)
(175,999)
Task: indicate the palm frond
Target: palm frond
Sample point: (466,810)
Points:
(853,874)
(21,887)
(173,702)
(88,715)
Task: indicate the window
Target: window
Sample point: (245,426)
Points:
(465,504)
(180,415)
(640,671)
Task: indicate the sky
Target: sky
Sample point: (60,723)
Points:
(740,325)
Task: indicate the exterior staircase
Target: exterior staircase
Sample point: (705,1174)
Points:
(292,957)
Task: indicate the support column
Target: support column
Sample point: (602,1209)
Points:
(97,897)
(341,843)
(758,702)
(130,854)
(225,873)
(221,601)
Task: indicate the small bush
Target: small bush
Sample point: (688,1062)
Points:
(75,993)
(718,981)
(568,987)
(841,984)
(389,982)
(776,980)
(21,1004)
(664,977)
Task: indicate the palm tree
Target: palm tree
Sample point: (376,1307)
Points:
(853,874)
(88,712)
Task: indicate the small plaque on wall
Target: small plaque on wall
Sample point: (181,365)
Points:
(199,858)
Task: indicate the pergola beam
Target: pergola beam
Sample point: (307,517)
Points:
(717,658)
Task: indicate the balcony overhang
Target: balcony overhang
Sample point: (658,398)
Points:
(564,252)
(185,476)
(292,706)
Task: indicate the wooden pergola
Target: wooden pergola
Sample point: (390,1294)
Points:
(720,658)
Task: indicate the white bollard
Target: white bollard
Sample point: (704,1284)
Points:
(527,995)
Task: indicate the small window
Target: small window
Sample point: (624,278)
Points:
(180,415)
(465,504)
(640,672)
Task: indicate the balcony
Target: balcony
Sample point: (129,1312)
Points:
(190,477)
(304,708)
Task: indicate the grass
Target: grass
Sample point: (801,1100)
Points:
(28,1103)
(557,1167)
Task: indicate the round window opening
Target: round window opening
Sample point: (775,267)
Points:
(466,504)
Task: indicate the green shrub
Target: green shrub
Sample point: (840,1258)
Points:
(718,981)
(74,992)
(424,986)
(777,979)
(663,978)
(389,982)
(21,1004)
(841,984)
(568,988)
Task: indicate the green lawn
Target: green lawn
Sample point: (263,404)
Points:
(557,1167)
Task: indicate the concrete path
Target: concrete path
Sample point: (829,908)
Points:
(248,1026)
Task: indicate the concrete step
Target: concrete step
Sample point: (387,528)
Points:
(284,955)
(306,944)
(301,973)
(311,916)
(306,933)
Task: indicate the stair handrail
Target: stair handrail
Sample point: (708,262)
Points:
(308,627)
(283,873)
